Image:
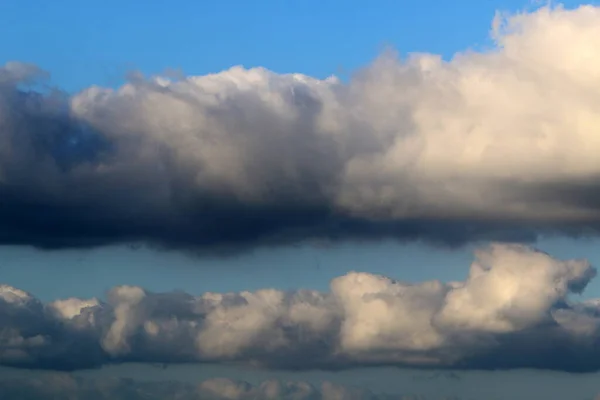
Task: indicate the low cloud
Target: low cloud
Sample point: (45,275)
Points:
(493,145)
(513,311)
(69,386)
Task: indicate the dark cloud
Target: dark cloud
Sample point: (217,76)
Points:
(489,146)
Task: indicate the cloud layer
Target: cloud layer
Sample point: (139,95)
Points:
(513,311)
(500,144)
(68,386)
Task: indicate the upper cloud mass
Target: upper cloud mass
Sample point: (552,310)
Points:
(494,145)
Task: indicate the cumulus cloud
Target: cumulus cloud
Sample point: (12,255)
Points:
(69,386)
(493,145)
(513,311)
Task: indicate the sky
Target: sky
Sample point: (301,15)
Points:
(99,42)
(394,197)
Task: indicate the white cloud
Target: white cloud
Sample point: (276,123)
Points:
(72,307)
(515,302)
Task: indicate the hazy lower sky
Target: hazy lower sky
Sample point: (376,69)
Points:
(91,272)
(425,223)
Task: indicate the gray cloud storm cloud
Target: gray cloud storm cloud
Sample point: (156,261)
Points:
(497,145)
(514,310)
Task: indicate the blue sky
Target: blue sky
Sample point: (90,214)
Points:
(86,273)
(99,42)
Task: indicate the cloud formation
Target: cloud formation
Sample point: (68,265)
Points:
(513,311)
(494,145)
(69,386)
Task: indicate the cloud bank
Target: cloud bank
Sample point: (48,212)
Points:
(493,145)
(68,386)
(513,311)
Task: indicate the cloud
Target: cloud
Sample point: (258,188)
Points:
(70,386)
(513,311)
(492,145)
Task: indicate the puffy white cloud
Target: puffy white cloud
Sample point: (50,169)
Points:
(71,308)
(495,144)
(512,311)
(494,300)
